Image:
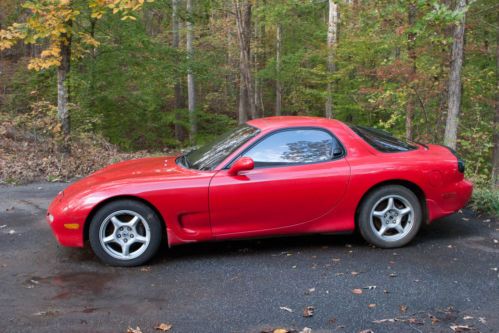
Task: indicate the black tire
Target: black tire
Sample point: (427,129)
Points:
(367,206)
(147,249)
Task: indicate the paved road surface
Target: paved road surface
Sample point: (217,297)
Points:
(447,277)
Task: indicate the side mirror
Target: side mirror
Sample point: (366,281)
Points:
(242,164)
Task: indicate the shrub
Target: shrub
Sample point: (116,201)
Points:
(485,200)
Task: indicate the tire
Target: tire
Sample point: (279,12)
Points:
(122,225)
(401,219)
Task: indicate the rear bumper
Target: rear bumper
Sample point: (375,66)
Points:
(450,200)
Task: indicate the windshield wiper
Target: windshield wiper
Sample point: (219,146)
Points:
(186,161)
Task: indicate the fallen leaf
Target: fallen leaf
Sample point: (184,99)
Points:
(285,308)
(413,320)
(371,306)
(145,269)
(308,311)
(49,313)
(381,321)
(434,319)
(310,290)
(355,273)
(403,308)
(306,330)
(134,330)
(280,330)
(357,291)
(482,320)
(460,328)
(163,327)
(366,331)
(467,317)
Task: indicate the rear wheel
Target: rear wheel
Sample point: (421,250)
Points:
(125,233)
(390,216)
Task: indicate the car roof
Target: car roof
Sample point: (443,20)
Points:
(270,123)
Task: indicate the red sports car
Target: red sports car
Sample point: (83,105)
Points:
(270,176)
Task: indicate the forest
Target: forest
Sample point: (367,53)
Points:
(87,82)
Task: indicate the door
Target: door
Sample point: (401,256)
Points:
(300,175)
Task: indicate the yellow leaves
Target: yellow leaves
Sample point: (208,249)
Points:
(38,64)
(128,17)
(51,52)
(89,40)
(50,57)
(97,14)
(50,21)
(10,36)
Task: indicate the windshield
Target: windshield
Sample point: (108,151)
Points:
(381,140)
(212,154)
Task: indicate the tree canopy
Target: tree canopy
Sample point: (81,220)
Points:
(389,66)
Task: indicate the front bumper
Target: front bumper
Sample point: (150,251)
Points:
(67,230)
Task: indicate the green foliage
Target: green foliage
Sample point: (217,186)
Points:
(124,89)
(485,200)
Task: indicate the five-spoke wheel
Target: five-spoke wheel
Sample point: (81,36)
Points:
(390,216)
(125,233)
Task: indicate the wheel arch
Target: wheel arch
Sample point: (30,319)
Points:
(117,198)
(416,189)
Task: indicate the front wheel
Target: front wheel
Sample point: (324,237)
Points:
(125,233)
(390,216)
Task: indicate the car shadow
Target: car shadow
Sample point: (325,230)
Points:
(258,246)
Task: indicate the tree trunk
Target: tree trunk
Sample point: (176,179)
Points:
(191,94)
(495,160)
(454,100)
(411,41)
(62,85)
(242,10)
(331,42)
(179,98)
(278,86)
(256,84)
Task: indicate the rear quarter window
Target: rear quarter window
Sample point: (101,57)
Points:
(381,140)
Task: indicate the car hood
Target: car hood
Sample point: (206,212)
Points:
(144,170)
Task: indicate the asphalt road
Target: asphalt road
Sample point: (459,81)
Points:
(447,277)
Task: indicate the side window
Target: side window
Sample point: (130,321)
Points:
(295,147)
